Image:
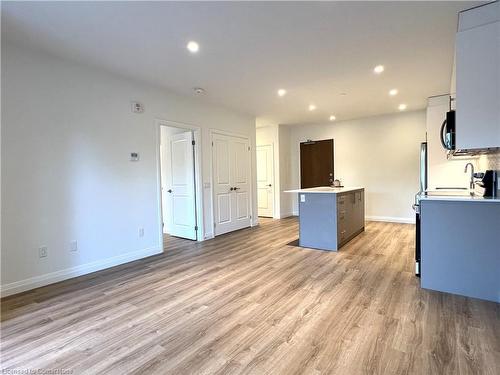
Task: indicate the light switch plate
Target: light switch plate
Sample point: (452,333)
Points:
(137,107)
(302,197)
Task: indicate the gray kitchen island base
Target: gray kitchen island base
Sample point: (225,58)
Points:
(327,221)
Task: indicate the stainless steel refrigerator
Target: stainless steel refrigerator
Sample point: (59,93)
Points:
(416,206)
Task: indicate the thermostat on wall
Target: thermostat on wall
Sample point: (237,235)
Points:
(134,156)
(137,107)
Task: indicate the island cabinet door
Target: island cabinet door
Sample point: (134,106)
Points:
(351,214)
(359,210)
(341,219)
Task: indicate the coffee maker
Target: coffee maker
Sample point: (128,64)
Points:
(487,184)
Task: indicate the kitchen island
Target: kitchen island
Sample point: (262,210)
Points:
(330,217)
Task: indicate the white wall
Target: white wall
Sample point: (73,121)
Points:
(67,132)
(379,153)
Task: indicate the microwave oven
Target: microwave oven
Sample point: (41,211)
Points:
(447,133)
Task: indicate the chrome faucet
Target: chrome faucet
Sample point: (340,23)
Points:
(471,183)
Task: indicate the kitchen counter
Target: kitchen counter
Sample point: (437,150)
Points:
(457,197)
(325,189)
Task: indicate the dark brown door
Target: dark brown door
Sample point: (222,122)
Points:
(316,163)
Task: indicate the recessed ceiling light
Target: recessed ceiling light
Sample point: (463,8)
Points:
(378,69)
(199,90)
(281,92)
(312,107)
(402,107)
(193,47)
(332,118)
(393,92)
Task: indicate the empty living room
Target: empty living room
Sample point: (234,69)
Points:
(250,187)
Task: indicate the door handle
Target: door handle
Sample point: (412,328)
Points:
(269,185)
(169,190)
(231,189)
(236,188)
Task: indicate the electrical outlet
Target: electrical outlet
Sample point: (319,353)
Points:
(141,232)
(73,246)
(43,252)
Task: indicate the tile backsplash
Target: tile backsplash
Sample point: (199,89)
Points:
(489,161)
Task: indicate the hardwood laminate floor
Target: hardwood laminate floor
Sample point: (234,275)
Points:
(248,303)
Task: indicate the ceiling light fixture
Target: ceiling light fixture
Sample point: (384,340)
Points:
(199,90)
(378,69)
(193,47)
(393,92)
(312,107)
(402,107)
(281,92)
(332,118)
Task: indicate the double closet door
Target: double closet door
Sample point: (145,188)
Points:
(231,183)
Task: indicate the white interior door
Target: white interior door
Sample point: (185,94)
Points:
(231,183)
(179,213)
(265,180)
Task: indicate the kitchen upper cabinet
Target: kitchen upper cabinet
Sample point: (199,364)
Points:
(478,78)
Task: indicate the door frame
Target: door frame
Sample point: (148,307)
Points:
(253,221)
(273,178)
(198,188)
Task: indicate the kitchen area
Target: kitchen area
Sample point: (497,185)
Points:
(457,245)
(457,207)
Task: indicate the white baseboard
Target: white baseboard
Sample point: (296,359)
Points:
(391,219)
(68,273)
(286,214)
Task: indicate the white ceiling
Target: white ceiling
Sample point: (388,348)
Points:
(248,50)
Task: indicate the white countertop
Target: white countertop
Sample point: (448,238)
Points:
(325,189)
(460,198)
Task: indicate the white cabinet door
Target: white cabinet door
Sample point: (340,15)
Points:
(265,178)
(231,183)
(478,86)
(180,215)
(222,184)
